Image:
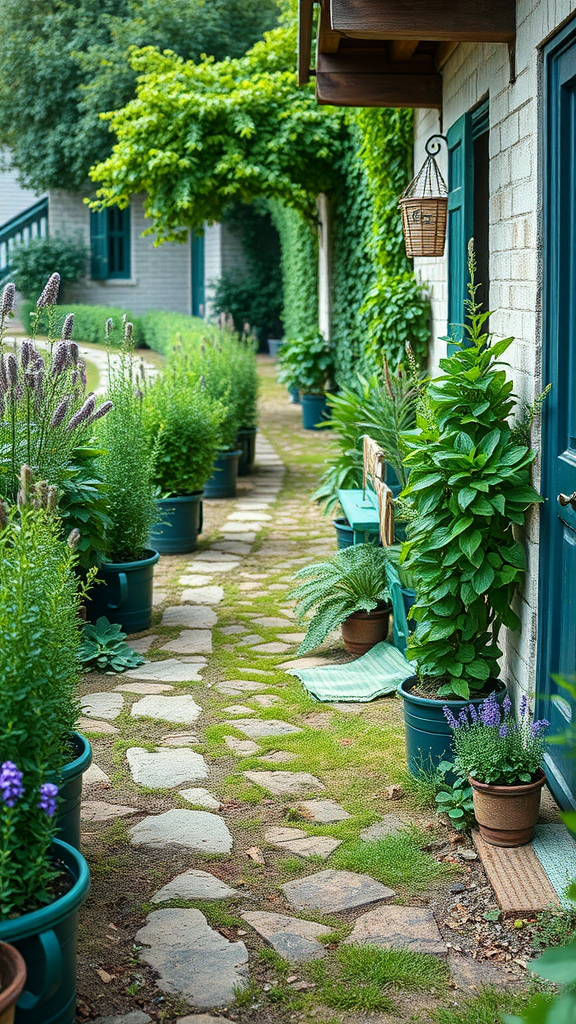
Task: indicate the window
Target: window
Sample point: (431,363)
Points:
(110,244)
(468,210)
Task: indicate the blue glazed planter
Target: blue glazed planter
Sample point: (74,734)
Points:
(344,533)
(46,939)
(71,791)
(180,522)
(125,593)
(222,483)
(246,442)
(314,411)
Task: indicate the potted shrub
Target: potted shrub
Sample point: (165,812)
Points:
(12,981)
(468,493)
(307,363)
(43,881)
(501,755)
(124,591)
(246,385)
(183,424)
(349,590)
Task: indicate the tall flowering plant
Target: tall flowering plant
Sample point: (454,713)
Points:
(494,745)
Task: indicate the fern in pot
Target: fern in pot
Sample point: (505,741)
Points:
(350,590)
(307,362)
(468,495)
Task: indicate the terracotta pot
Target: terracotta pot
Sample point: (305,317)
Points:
(12,980)
(507,815)
(363,630)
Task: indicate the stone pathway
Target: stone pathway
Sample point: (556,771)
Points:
(220,793)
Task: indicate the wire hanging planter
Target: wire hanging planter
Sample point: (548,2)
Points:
(424,206)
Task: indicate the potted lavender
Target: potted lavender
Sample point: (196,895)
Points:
(501,754)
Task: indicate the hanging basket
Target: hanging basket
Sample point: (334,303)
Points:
(424,206)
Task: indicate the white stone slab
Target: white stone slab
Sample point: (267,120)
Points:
(209,568)
(99,810)
(242,748)
(202,595)
(191,641)
(106,705)
(194,885)
(240,529)
(94,776)
(169,671)
(257,728)
(182,709)
(190,616)
(93,725)
(292,937)
(196,830)
(200,798)
(144,689)
(166,768)
(286,783)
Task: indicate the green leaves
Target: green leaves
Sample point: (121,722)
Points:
(104,647)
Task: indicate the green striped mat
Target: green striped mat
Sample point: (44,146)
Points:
(556,851)
(375,674)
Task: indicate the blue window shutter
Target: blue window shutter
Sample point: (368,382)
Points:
(118,242)
(198,291)
(460,218)
(99,244)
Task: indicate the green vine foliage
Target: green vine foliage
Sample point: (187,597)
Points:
(299,266)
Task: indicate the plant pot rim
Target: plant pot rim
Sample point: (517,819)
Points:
(376,613)
(312,394)
(405,687)
(54,913)
(139,563)
(247,430)
(190,496)
(515,789)
(341,521)
(80,764)
(9,995)
(228,453)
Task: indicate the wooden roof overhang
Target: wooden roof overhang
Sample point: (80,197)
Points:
(389,53)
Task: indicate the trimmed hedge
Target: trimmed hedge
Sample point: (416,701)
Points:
(160,329)
(89,322)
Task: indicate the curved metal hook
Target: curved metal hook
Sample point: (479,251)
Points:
(432,147)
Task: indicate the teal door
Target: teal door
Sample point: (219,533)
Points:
(557,611)
(198,288)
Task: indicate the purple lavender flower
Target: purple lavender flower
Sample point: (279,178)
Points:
(473,713)
(538,727)
(26,351)
(8,301)
(47,801)
(128,330)
(463,718)
(74,351)
(61,358)
(11,786)
(503,731)
(60,411)
(67,327)
(104,408)
(507,705)
(83,414)
(49,296)
(82,371)
(11,368)
(523,705)
(109,326)
(452,721)
(490,712)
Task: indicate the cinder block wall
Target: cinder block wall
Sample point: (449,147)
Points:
(14,199)
(474,72)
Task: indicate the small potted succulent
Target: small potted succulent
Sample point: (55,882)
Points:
(307,362)
(183,423)
(350,590)
(501,755)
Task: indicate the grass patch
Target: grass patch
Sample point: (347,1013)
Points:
(554,927)
(422,787)
(487,1007)
(397,861)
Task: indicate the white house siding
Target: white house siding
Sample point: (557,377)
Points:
(474,72)
(161,275)
(13,198)
(223,256)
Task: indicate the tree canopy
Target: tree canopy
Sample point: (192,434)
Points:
(63,62)
(199,135)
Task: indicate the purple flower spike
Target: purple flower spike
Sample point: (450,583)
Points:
(452,721)
(503,731)
(11,786)
(507,705)
(47,801)
(473,713)
(49,296)
(523,705)
(537,727)
(490,712)
(463,718)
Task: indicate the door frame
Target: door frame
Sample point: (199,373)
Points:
(550,216)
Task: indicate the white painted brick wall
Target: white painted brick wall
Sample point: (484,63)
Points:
(474,72)
(13,198)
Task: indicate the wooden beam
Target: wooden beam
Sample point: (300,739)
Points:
(443,53)
(328,41)
(438,20)
(345,89)
(305,20)
(402,49)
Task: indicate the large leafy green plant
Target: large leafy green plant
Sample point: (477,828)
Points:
(104,647)
(469,490)
(307,362)
(354,580)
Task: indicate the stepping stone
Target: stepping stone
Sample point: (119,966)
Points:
(191,959)
(399,928)
(144,688)
(272,648)
(389,825)
(285,783)
(144,643)
(292,937)
(252,638)
(183,710)
(94,776)
(272,621)
(202,595)
(203,1018)
(232,547)
(242,748)
(166,769)
(169,671)
(292,638)
(266,700)
(238,537)
(297,841)
(334,891)
(244,587)
(248,517)
(209,568)
(193,580)
(253,506)
(194,885)
(103,705)
(280,757)
(213,556)
(238,709)
(238,686)
(232,630)
(191,641)
(99,810)
(323,811)
(257,728)
(241,530)
(471,975)
(93,725)
(201,798)
(135,1017)
(158,597)
(179,739)
(196,830)
(193,617)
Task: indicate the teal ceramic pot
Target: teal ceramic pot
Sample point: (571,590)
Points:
(46,939)
(274,346)
(428,735)
(246,442)
(314,411)
(179,523)
(222,483)
(124,594)
(71,791)
(344,533)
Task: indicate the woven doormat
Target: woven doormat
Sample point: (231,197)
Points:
(520,883)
